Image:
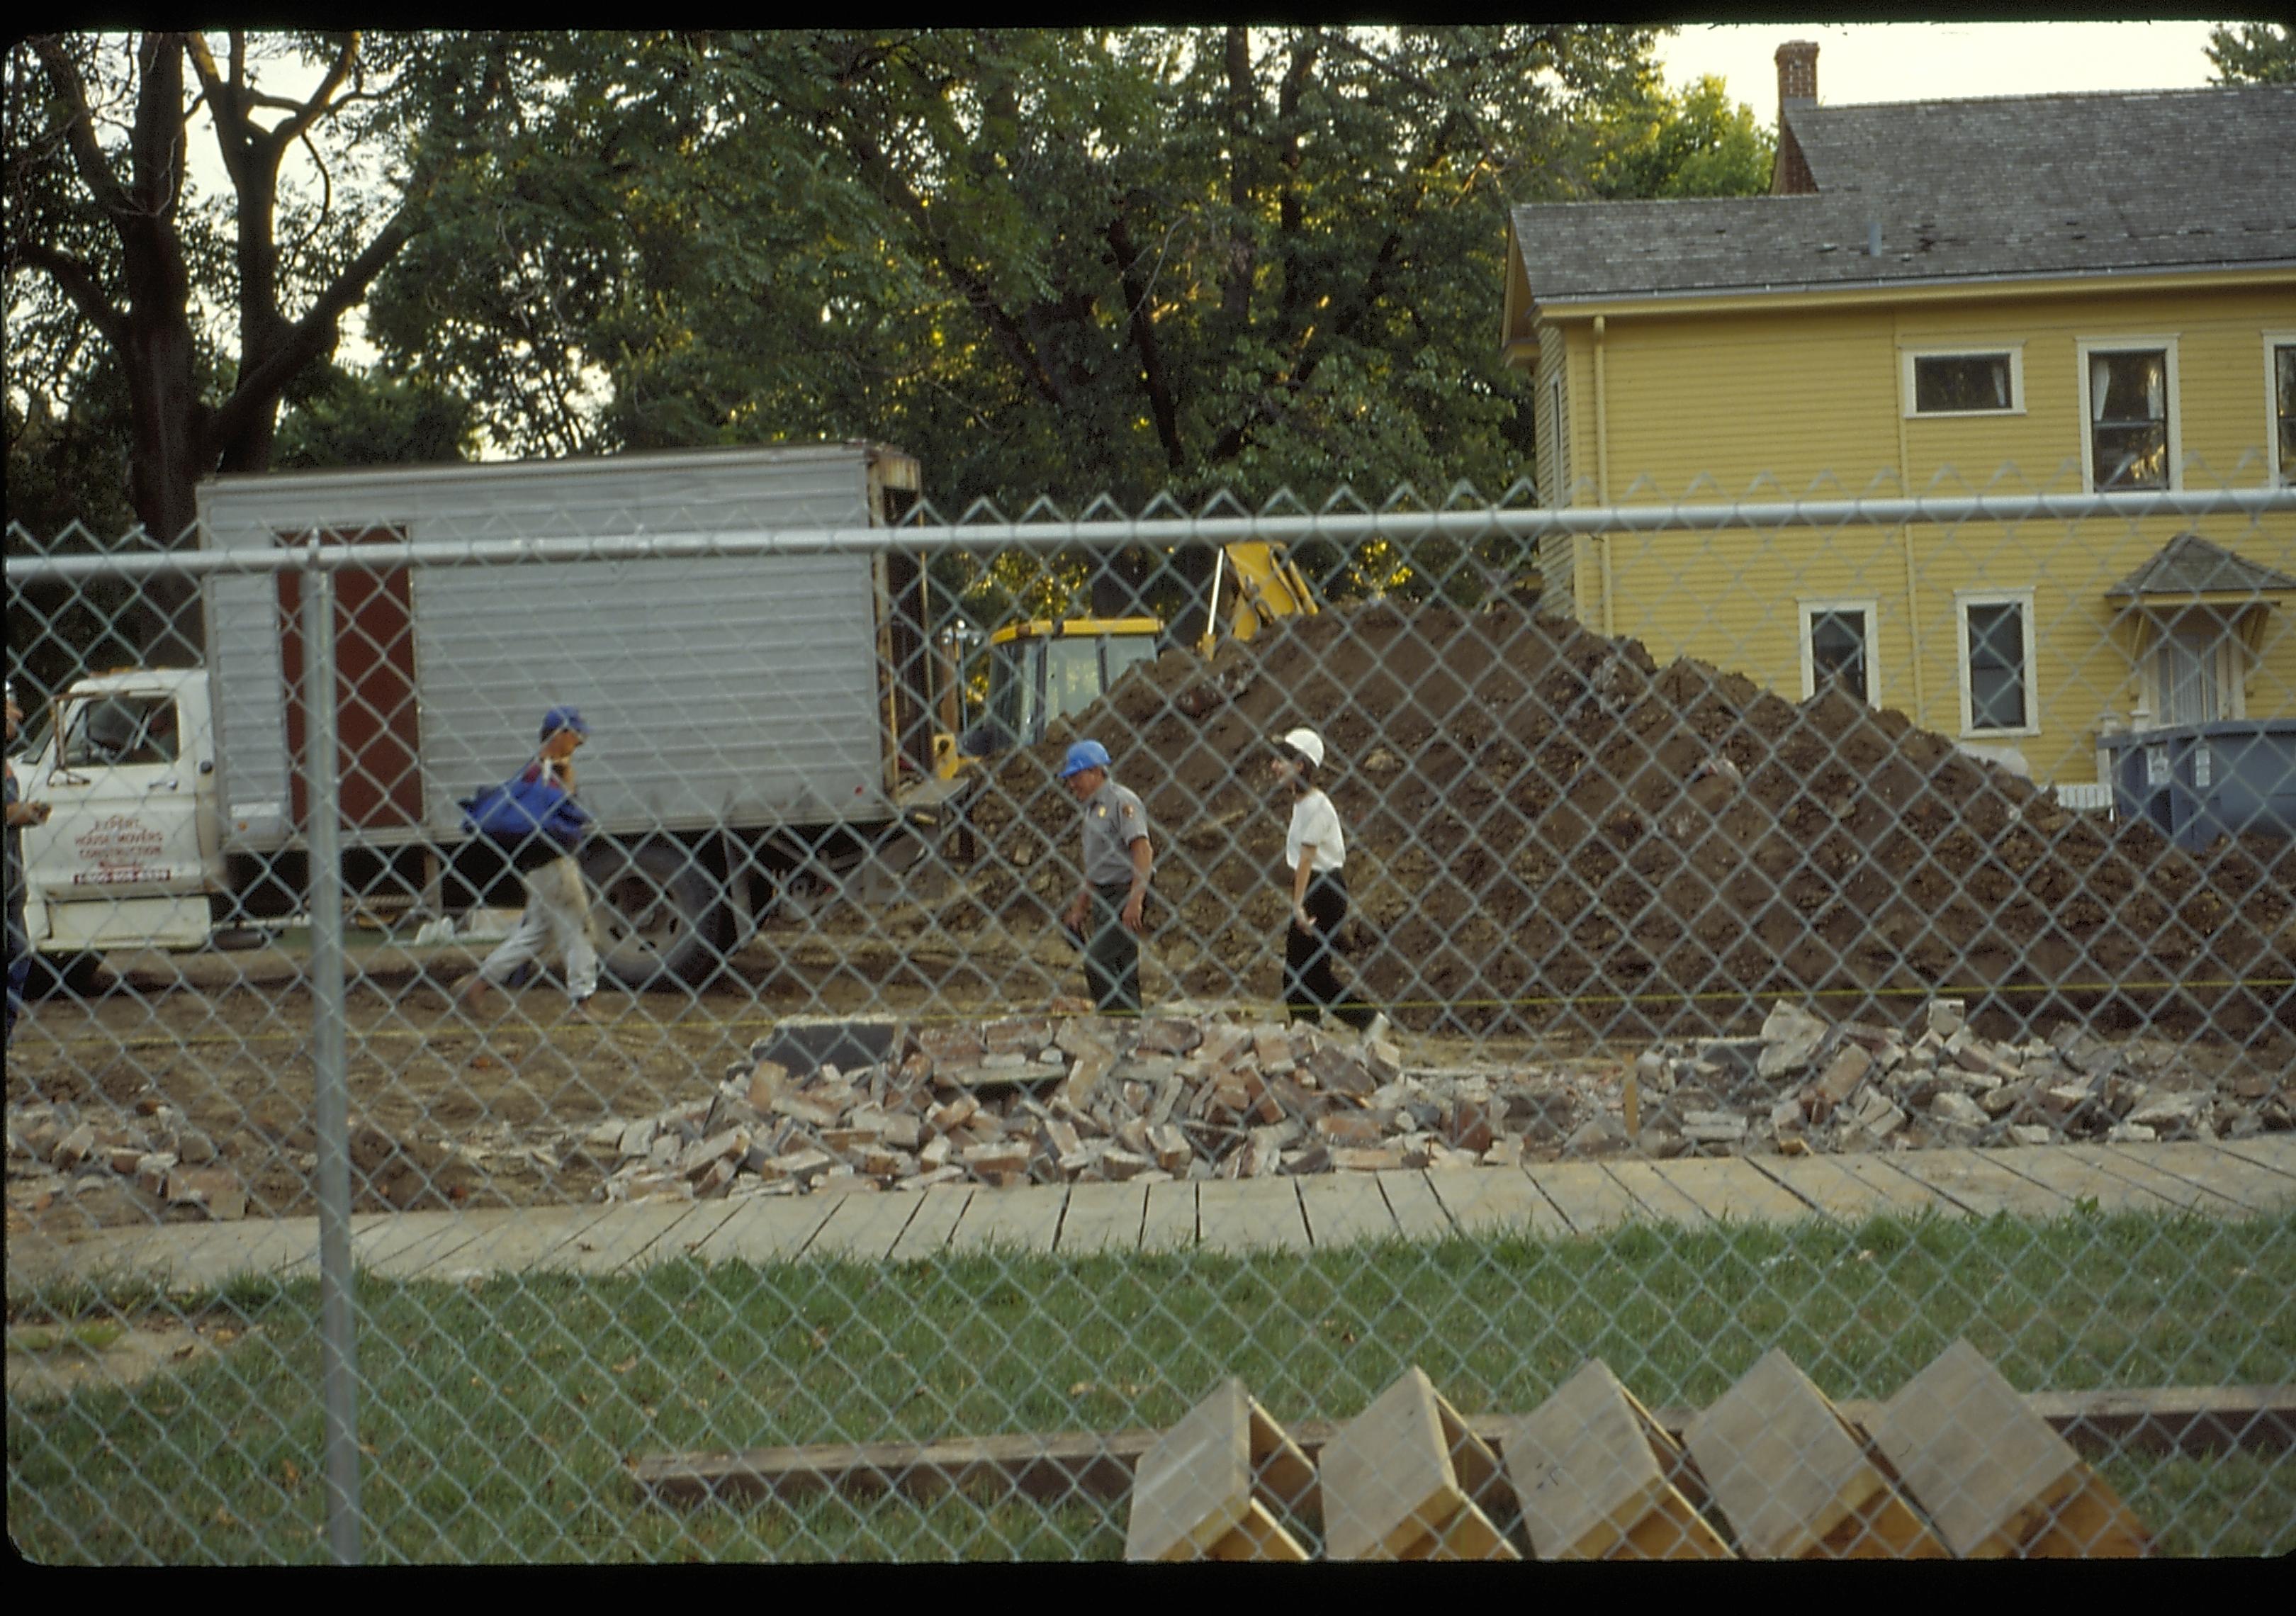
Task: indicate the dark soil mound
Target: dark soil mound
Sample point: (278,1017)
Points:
(1546,827)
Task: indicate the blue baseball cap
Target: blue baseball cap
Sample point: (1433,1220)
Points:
(1084,755)
(563,717)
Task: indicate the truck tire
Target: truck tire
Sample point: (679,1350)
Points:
(78,976)
(657,914)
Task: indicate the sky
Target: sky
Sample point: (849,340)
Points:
(1870,62)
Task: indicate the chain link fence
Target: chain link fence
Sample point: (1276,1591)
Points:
(1771,943)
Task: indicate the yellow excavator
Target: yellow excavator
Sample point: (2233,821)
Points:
(1043,670)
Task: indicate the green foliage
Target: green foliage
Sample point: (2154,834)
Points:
(342,418)
(1067,263)
(1696,144)
(2253,53)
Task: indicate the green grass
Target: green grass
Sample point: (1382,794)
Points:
(495,1417)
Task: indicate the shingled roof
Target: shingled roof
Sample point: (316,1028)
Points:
(2017,186)
(2189,565)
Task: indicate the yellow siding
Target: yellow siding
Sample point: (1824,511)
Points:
(2223,423)
(1807,402)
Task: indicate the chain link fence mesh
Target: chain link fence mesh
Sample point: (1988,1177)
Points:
(1780,940)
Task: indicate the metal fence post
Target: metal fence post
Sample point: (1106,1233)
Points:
(331,1102)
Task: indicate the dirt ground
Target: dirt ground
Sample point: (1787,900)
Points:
(1558,851)
(214,1047)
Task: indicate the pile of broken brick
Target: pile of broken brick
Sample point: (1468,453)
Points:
(1806,1085)
(1021,1100)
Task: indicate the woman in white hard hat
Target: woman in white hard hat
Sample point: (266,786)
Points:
(1315,854)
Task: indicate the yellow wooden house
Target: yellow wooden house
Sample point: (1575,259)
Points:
(2061,293)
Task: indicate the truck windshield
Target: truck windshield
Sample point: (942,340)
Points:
(108,732)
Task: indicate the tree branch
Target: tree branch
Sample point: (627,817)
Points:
(313,335)
(1142,328)
(322,99)
(79,128)
(79,284)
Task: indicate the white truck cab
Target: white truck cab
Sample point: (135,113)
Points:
(133,847)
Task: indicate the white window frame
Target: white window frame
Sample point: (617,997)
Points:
(2015,352)
(2083,347)
(2231,666)
(1963,600)
(1808,609)
(2282,474)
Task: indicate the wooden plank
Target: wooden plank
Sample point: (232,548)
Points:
(767,1229)
(1103,1217)
(1209,1486)
(1417,1209)
(1028,1218)
(2257,1189)
(534,1239)
(1588,1198)
(1193,1488)
(1978,1183)
(1392,1488)
(2135,1170)
(2055,1168)
(2169,1420)
(1792,1478)
(1659,1198)
(1170,1223)
(1251,1215)
(1845,1196)
(613,1242)
(1496,1200)
(2276,1152)
(1588,1476)
(422,1240)
(1345,1209)
(686,1237)
(862,1227)
(1257,1535)
(1993,1476)
(1909,1195)
(939,1208)
(1732,1188)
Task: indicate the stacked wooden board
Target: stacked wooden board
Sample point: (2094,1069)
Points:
(1955,1464)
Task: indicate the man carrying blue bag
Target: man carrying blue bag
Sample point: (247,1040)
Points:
(536,819)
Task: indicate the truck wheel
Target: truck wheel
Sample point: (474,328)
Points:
(78,976)
(656,914)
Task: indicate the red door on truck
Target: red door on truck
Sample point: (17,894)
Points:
(378,725)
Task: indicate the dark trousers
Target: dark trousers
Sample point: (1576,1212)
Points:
(1310,985)
(1111,954)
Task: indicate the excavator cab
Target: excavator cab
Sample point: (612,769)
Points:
(1041,670)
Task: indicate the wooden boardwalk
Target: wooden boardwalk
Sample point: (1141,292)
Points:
(1544,1202)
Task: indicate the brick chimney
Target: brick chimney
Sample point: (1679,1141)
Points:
(1797,61)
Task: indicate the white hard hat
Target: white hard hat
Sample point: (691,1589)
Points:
(1307,743)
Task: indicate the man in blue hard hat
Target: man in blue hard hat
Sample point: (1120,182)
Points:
(557,904)
(1109,910)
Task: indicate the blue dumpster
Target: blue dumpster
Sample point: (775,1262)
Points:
(2197,782)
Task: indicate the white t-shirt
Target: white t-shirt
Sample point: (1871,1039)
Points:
(1314,820)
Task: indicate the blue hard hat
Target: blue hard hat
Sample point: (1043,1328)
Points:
(563,717)
(1085,755)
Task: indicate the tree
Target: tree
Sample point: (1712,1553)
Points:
(1050,264)
(2253,53)
(115,260)
(1067,263)
(1696,144)
(337,417)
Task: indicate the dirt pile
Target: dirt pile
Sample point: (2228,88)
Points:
(1546,827)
